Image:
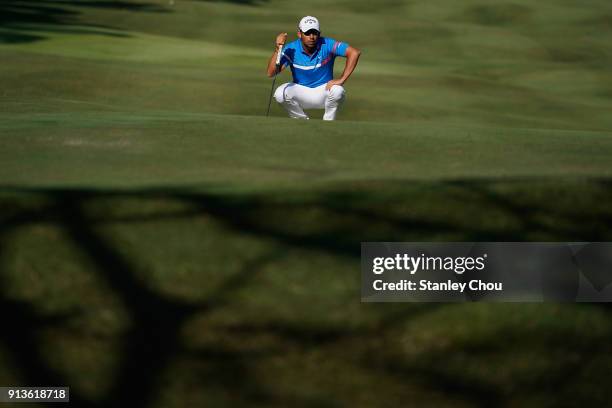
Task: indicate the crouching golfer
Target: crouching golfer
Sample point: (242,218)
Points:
(311,58)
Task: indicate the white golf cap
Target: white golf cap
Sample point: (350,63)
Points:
(309,23)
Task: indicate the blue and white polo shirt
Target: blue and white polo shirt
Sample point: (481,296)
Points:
(316,69)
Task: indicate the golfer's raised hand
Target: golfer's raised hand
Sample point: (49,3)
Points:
(281,39)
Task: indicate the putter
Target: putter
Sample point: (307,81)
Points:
(276,71)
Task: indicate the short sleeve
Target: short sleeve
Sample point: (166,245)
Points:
(338,47)
(284,60)
(286,56)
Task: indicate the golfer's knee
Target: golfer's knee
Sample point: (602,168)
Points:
(280,95)
(337,93)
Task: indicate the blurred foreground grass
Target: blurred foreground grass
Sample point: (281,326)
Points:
(224,299)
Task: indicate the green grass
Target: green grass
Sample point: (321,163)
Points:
(504,65)
(123,149)
(164,244)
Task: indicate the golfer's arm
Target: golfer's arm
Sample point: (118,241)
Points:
(352,56)
(272,65)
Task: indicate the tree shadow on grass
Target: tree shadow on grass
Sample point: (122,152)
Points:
(26,20)
(327,222)
(239,2)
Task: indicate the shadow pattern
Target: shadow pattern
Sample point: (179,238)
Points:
(239,2)
(26,20)
(344,219)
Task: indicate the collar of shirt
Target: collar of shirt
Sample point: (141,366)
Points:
(319,41)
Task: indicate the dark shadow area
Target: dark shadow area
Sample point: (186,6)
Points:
(24,20)
(330,222)
(23,324)
(239,2)
(20,335)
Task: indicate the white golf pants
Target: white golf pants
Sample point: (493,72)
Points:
(295,98)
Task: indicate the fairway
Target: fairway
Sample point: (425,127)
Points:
(164,244)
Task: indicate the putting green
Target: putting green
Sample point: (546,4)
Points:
(163,244)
